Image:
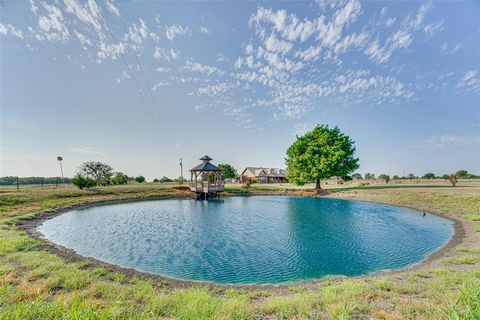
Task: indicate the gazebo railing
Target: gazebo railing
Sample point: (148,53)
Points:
(206,185)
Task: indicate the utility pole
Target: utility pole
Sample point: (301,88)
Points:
(60,158)
(181,171)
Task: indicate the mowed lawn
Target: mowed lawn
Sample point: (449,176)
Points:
(38,284)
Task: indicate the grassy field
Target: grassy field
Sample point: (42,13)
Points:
(37,284)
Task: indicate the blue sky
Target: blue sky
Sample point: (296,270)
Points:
(140,84)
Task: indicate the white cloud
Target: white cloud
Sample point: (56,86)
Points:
(390,21)
(417,22)
(205,30)
(381,54)
(312,53)
(469,81)
(160,84)
(448,140)
(138,33)
(112,8)
(198,67)
(167,54)
(82,38)
(87,12)
(432,28)
(163,69)
(171,32)
(87,152)
(52,25)
(9,29)
(214,90)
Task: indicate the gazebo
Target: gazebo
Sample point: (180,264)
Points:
(206,180)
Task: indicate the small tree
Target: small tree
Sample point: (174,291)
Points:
(357,176)
(165,179)
(320,154)
(119,178)
(453,179)
(229,172)
(140,179)
(384,177)
(395,177)
(156,180)
(411,176)
(369,176)
(429,175)
(96,170)
(463,174)
(83,182)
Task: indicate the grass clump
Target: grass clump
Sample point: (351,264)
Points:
(473,217)
(461,260)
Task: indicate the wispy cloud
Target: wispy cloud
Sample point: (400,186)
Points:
(10,29)
(470,81)
(171,32)
(447,140)
(87,152)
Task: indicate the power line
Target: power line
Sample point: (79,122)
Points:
(131,75)
(143,74)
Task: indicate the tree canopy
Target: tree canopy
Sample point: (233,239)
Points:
(384,177)
(99,171)
(429,175)
(140,179)
(321,154)
(229,171)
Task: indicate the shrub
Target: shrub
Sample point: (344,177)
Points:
(83,182)
(156,180)
(140,179)
(119,178)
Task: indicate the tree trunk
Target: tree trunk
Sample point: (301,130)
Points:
(317,185)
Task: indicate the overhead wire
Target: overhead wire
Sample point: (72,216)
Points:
(137,85)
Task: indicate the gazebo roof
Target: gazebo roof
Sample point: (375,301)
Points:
(206,158)
(206,166)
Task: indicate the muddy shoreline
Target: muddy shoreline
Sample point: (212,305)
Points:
(31,226)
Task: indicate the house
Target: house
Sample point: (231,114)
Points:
(263,175)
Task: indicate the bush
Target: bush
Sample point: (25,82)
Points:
(119,178)
(156,180)
(140,179)
(165,179)
(83,182)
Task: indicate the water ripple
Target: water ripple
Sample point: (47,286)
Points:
(251,239)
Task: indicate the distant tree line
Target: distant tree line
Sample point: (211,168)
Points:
(460,174)
(10,180)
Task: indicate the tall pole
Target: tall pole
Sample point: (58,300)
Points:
(181,171)
(60,158)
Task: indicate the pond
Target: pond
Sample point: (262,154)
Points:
(260,239)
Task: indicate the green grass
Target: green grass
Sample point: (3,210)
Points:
(473,217)
(36,284)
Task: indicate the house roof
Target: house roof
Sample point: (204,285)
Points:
(266,172)
(206,166)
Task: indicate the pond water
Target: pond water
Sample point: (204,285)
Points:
(261,239)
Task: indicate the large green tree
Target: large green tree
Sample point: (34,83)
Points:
(229,171)
(321,154)
(100,172)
